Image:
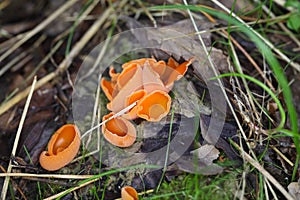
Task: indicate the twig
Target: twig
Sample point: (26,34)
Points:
(271,189)
(14,184)
(282,156)
(45,59)
(63,65)
(147,13)
(266,189)
(55,176)
(20,96)
(13,62)
(85,155)
(6,181)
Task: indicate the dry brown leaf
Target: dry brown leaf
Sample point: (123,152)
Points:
(200,161)
(294,189)
(206,153)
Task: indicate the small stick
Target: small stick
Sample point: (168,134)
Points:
(147,13)
(56,176)
(6,182)
(282,156)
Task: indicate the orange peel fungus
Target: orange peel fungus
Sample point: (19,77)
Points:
(129,193)
(119,131)
(145,81)
(62,148)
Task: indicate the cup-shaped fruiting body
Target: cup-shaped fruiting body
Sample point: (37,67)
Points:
(154,106)
(119,131)
(129,193)
(62,148)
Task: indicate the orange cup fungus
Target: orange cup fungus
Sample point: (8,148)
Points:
(62,148)
(129,193)
(117,128)
(145,81)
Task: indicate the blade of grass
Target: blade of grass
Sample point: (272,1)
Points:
(167,151)
(55,176)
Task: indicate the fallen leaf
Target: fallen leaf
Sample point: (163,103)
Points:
(206,153)
(200,161)
(294,189)
(35,139)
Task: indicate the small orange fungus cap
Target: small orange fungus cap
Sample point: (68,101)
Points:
(119,131)
(62,148)
(154,106)
(129,193)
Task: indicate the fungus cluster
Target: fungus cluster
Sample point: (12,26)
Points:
(145,81)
